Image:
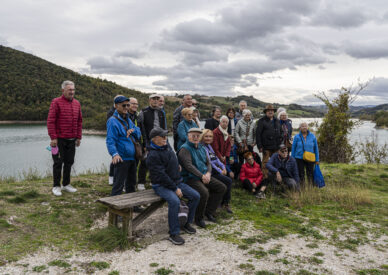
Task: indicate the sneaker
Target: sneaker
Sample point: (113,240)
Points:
(260,195)
(110,180)
(140,187)
(69,188)
(189,229)
(57,191)
(200,223)
(176,239)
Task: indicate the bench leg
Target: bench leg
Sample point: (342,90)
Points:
(127,224)
(112,219)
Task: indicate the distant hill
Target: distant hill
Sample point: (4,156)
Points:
(369,111)
(29,83)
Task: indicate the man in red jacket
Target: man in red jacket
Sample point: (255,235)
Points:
(64,125)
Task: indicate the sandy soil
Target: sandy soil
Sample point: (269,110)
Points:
(204,254)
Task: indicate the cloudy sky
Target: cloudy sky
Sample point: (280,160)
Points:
(276,50)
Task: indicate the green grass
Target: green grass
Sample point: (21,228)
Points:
(163,271)
(99,265)
(39,268)
(59,263)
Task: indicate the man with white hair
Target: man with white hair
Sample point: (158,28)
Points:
(242,106)
(64,125)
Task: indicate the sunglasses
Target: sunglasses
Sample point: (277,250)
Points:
(125,105)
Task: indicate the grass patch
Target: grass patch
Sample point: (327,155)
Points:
(109,239)
(99,265)
(163,271)
(4,224)
(114,272)
(39,268)
(6,193)
(264,272)
(246,266)
(371,272)
(59,263)
(315,260)
(154,264)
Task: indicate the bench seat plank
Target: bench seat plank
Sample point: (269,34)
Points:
(130,199)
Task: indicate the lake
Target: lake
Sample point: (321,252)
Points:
(23,149)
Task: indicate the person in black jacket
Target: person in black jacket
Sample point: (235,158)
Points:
(167,182)
(268,136)
(149,118)
(213,122)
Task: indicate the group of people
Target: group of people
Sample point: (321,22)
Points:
(203,163)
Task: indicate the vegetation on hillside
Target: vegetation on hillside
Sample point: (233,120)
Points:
(381,118)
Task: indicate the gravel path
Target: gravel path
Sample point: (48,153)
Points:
(204,254)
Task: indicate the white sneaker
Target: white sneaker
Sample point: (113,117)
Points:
(110,180)
(57,191)
(140,187)
(69,188)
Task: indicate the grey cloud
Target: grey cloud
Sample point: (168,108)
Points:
(340,16)
(3,41)
(377,87)
(372,49)
(121,66)
(134,53)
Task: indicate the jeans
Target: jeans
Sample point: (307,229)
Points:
(64,158)
(124,172)
(174,203)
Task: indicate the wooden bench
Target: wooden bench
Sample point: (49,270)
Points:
(122,205)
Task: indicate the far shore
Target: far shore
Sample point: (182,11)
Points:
(6,122)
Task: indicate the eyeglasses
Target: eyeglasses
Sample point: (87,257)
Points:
(125,105)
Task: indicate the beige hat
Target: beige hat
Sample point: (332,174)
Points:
(154,95)
(195,130)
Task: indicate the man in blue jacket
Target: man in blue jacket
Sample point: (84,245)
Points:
(121,132)
(167,182)
(284,168)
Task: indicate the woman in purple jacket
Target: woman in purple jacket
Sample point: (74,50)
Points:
(218,168)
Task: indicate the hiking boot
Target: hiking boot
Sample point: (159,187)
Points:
(260,195)
(189,229)
(210,217)
(69,188)
(227,208)
(110,181)
(176,239)
(57,191)
(200,223)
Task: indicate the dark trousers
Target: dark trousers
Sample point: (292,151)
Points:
(249,186)
(124,172)
(266,156)
(175,137)
(111,170)
(174,202)
(142,177)
(309,166)
(286,181)
(65,158)
(228,183)
(211,196)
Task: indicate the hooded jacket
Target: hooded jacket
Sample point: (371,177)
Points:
(251,172)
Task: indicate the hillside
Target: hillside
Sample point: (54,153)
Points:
(370,111)
(29,83)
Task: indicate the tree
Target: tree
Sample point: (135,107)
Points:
(336,126)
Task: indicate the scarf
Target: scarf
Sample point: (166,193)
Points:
(224,132)
(232,126)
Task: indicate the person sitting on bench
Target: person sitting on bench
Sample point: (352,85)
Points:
(167,182)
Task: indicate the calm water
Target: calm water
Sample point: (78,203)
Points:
(23,149)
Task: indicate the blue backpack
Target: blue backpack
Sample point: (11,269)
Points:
(318,177)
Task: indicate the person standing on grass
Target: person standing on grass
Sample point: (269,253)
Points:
(121,133)
(108,115)
(283,169)
(241,107)
(305,141)
(196,172)
(185,125)
(187,102)
(231,113)
(149,118)
(167,182)
(213,122)
(268,136)
(64,125)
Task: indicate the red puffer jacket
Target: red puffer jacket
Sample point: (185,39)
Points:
(253,173)
(64,119)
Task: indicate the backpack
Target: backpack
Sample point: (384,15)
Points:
(183,213)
